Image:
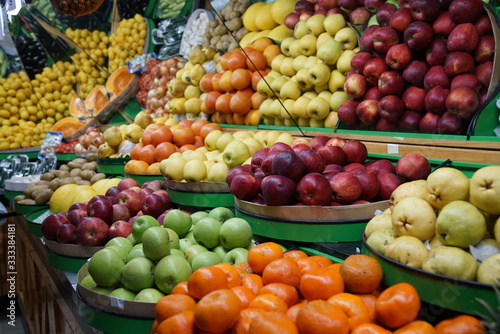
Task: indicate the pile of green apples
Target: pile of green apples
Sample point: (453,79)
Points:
(447,224)
(152,260)
(307,79)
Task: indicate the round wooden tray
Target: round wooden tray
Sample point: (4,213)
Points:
(200,194)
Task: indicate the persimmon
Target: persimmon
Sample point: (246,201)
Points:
(224,60)
(197,125)
(207,128)
(237,60)
(228,119)
(256,61)
(134,152)
(186,122)
(260,44)
(147,154)
(239,119)
(252,117)
(215,82)
(206,82)
(146,137)
(270,52)
(183,135)
(241,78)
(164,150)
(225,81)
(136,167)
(257,99)
(256,77)
(210,100)
(161,133)
(240,103)
(222,104)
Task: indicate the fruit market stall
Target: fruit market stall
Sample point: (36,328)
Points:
(149,145)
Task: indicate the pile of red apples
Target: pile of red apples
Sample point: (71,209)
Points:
(108,216)
(426,67)
(322,171)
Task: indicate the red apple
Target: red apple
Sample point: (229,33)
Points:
(347,113)
(463,37)
(120,212)
(370,184)
(336,141)
(165,196)
(429,123)
(288,163)
(436,52)
(384,37)
(458,62)
(348,4)
(435,100)
(373,94)
(333,169)
(304,6)
(74,216)
(391,107)
(81,206)
(401,19)
(245,169)
(485,49)
(66,233)
(101,208)
(404,3)
(466,80)
(144,192)
(97,198)
(355,151)
(413,98)
(51,224)
(443,24)
(418,35)
(278,190)
(483,25)
(355,85)
(278,147)
(384,13)
(373,5)
(327,4)
(354,167)
(463,11)
(415,72)
(245,187)
(120,228)
(413,166)
(450,124)
(154,184)
(131,199)
(332,155)
(291,20)
(312,161)
(127,183)
(382,166)
(385,125)
(92,231)
(314,189)
(359,60)
(373,69)
(366,39)
(483,73)
(153,205)
(425,10)
(367,112)
(346,188)
(257,157)
(318,141)
(388,183)
(299,147)
(391,83)
(436,76)
(398,56)
(359,16)
(113,191)
(462,102)
(267,163)
(409,121)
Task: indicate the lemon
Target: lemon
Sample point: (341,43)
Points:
(250,15)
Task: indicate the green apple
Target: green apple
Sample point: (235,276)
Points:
(347,37)
(275,109)
(279,81)
(253,145)
(138,274)
(221,213)
(131,239)
(311,61)
(87,282)
(295,48)
(344,61)
(307,45)
(190,235)
(337,98)
(102,290)
(105,267)
(149,295)
(326,94)
(221,251)
(235,232)
(276,62)
(122,293)
(194,155)
(206,232)
(303,122)
(331,120)
(242,134)
(196,216)
(175,168)
(318,108)
(236,255)
(285,48)
(330,51)
(290,90)
(205,259)
(300,107)
(194,171)
(121,242)
(218,172)
(121,251)
(322,39)
(141,224)
(263,87)
(285,112)
(319,74)
(135,252)
(179,221)
(211,139)
(170,271)
(212,154)
(302,78)
(298,62)
(184,243)
(333,23)
(175,251)
(235,153)
(156,243)
(173,238)
(315,24)
(300,29)
(193,250)
(223,140)
(336,81)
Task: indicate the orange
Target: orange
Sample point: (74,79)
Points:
(205,280)
(240,78)
(183,135)
(207,128)
(256,61)
(335,266)
(197,125)
(246,295)
(286,292)
(262,254)
(233,277)
(180,288)
(243,268)
(170,305)
(294,254)
(323,261)
(361,273)
(294,311)
(164,150)
(397,305)
(272,323)
(369,301)
(353,306)
(217,312)
(269,302)
(461,324)
(321,283)
(136,167)
(147,154)
(370,328)
(307,264)
(416,327)
(319,316)
(180,323)
(242,326)
(154,169)
(134,152)
(253,282)
(285,271)
(260,44)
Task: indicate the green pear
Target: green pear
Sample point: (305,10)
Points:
(445,185)
(235,153)
(330,51)
(451,261)
(489,270)
(333,23)
(378,222)
(485,189)
(407,250)
(415,217)
(460,224)
(380,239)
(416,188)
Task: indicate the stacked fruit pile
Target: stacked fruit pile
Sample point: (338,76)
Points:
(89,141)
(231,93)
(323,171)
(306,82)
(264,295)
(425,67)
(465,228)
(158,255)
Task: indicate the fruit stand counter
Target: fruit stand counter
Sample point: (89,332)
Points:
(46,295)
